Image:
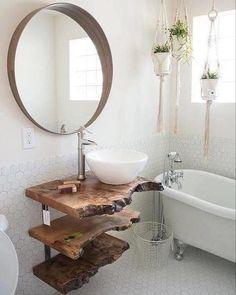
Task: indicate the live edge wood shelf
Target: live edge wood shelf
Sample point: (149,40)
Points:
(80,235)
(69,235)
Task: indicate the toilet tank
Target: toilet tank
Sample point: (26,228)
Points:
(9,269)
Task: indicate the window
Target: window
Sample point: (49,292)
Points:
(226,51)
(86,78)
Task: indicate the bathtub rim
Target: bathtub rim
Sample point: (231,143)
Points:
(196,202)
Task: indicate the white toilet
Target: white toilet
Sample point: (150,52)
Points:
(9,267)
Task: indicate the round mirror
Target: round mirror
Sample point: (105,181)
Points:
(60,68)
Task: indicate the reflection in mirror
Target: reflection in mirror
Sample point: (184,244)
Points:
(58,72)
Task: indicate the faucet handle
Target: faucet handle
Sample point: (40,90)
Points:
(180,174)
(177,158)
(174,157)
(82,129)
(89,142)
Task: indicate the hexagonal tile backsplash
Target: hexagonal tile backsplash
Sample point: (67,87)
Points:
(221,154)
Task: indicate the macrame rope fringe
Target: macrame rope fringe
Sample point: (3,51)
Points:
(160,119)
(207,129)
(177,102)
(181,13)
(161,38)
(181,7)
(212,41)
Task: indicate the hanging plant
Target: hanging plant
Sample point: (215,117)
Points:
(181,40)
(162,59)
(209,85)
(162,48)
(210,76)
(181,46)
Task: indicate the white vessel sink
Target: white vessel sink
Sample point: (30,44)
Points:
(116,166)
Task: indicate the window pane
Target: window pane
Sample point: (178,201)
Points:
(99,91)
(81,63)
(99,78)
(227,25)
(81,79)
(226,48)
(227,92)
(228,71)
(85,70)
(91,92)
(92,78)
(92,62)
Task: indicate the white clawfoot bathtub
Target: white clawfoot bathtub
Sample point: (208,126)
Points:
(202,213)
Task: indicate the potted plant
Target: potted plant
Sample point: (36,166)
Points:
(162,59)
(209,83)
(181,40)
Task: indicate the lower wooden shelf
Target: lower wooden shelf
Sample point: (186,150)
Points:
(65,274)
(69,235)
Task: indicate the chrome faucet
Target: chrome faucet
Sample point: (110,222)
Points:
(82,142)
(171,176)
(63,129)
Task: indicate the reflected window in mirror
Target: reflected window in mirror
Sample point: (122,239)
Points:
(86,78)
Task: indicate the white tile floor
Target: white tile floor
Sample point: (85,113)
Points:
(200,273)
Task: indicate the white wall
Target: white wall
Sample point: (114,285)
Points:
(189,141)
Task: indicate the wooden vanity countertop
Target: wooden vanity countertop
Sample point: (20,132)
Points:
(93,197)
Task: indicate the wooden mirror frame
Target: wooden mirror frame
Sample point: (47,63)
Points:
(94,31)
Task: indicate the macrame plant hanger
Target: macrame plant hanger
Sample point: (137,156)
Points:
(178,49)
(210,77)
(161,55)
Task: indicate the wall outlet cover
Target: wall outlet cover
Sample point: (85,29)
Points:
(28,138)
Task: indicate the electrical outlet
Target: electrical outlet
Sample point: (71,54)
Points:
(28,138)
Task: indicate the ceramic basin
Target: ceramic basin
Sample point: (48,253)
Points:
(116,166)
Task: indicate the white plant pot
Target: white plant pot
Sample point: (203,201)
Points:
(162,63)
(209,88)
(178,46)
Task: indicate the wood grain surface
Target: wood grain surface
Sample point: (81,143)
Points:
(69,235)
(65,274)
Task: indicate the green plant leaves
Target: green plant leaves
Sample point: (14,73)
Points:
(162,48)
(210,75)
(180,30)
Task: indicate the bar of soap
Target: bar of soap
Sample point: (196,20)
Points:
(77,183)
(67,188)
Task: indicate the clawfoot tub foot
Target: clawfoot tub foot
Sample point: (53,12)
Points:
(179,250)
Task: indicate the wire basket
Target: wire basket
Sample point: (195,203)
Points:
(153,244)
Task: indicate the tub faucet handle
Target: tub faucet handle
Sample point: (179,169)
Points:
(180,174)
(177,158)
(174,157)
